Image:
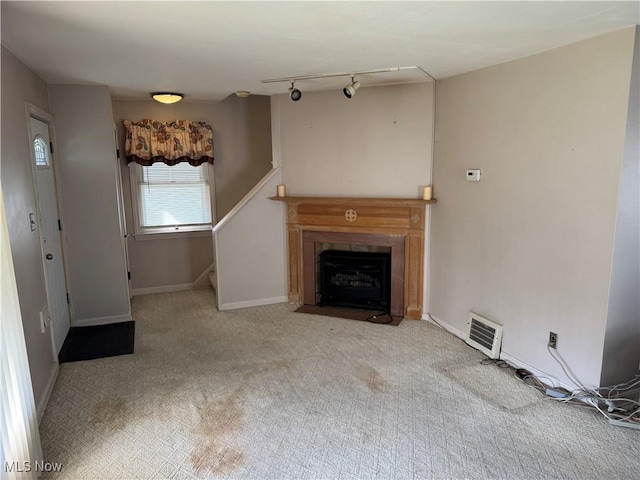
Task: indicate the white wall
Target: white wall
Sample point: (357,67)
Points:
(251,250)
(88,169)
(20,85)
(621,354)
(531,244)
(376,144)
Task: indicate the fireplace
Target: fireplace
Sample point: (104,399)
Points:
(397,224)
(355,279)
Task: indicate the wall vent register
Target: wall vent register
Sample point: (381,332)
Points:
(484,335)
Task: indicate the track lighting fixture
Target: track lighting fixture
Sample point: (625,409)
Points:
(350,90)
(294,93)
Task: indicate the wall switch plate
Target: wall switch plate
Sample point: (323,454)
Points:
(474,175)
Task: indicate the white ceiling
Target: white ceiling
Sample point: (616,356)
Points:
(208,50)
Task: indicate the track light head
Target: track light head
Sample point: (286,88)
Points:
(294,93)
(350,90)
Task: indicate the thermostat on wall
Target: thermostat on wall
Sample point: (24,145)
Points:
(474,175)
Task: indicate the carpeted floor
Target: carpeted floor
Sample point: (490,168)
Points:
(265,393)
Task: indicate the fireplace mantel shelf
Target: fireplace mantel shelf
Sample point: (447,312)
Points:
(412,202)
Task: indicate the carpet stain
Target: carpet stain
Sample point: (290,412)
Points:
(372,379)
(217,450)
(113,413)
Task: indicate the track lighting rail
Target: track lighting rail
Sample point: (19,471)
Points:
(343,74)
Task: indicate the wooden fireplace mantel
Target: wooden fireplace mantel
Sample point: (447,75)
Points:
(395,222)
(356,200)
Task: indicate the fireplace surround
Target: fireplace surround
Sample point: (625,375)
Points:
(398,223)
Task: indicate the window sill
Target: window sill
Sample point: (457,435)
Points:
(172,234)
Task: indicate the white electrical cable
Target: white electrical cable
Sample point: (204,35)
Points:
(574,379)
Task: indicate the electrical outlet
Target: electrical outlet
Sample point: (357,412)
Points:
(553,340)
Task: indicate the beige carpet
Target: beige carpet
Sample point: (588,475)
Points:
(265,393)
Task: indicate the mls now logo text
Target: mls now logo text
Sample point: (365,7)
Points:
(20,467)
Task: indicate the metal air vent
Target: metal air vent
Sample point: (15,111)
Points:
(485,335)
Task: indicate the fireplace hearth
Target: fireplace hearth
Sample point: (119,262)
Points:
(355,279)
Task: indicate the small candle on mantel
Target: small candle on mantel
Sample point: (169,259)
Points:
(426,193)
(281,192)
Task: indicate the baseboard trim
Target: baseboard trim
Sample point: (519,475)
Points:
(253,303)
(203,279)
(44,400)
(449,328)
(162,289)
(516,362)
(507,357)
(87,322)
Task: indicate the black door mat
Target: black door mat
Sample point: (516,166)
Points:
(99,341)
(372,316)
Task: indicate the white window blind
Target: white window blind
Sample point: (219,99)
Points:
(173,196)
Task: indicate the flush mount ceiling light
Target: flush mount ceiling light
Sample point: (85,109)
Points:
(350,90)
(242,93)
(167,97)
(294,93)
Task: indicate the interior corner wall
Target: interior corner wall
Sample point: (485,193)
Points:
(242,147)
(376,144)
(531,245)
(621,356)
(91,217)
(167,262)
(19,85)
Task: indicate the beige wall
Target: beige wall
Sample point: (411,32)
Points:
(88,175)
(242,147)
(20,85)
(621,356)
(531,244)
(169,260)
(376,144)
(242,151)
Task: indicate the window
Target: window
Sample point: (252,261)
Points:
(171,198)
(40,152)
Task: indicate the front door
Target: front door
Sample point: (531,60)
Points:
(48,221)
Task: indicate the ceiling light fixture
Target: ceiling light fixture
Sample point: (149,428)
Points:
(294,93)
(167,97)
(350,90)
(242,93)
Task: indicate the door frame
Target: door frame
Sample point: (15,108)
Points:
(122,215)
(39,114)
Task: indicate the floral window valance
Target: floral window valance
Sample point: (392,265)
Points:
(151,141)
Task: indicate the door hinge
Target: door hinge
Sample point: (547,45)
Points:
(51,146)
(68,298)
(59,225)
(118,153)
(129,275)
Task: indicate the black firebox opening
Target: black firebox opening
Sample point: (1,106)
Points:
(355,279)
